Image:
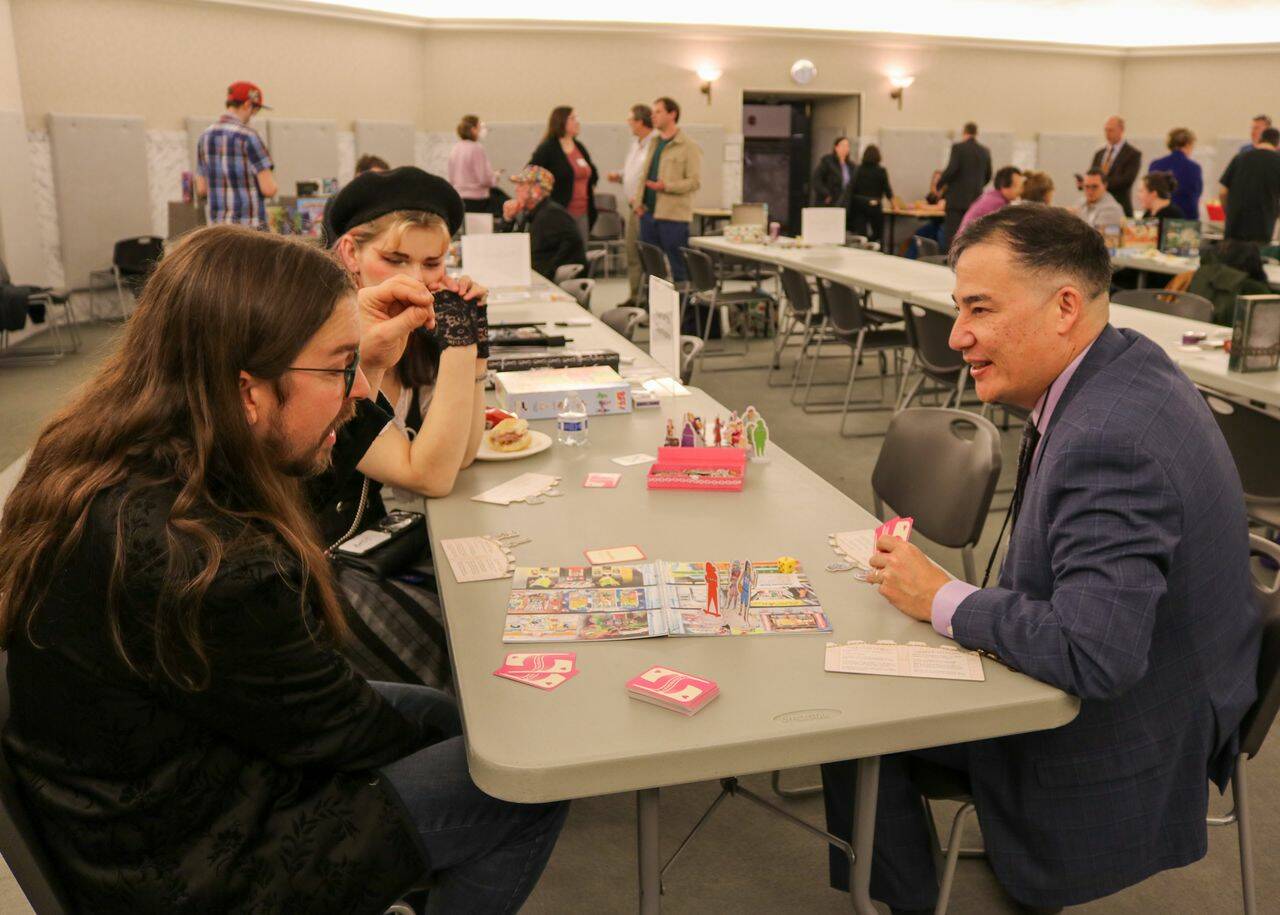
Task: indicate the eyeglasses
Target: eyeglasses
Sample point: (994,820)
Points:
(348,373)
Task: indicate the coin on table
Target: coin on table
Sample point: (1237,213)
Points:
(840,566)
(554,492)
(534,500)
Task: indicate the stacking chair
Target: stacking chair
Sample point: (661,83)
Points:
(567,272)
(40,303)
(847,318)
(926,247)
(607,237)
(606,203)
(927,335)
(937,783)
(653,262)
(131,262)
(1252,435)
(624,319)
(797,315)
(940,466)
(690,347)
(1166,301)
(580,288)
(705,292)
(20,844)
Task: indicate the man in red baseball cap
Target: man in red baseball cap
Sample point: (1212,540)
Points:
(233,167)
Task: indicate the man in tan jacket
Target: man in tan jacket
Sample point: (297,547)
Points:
(673,174)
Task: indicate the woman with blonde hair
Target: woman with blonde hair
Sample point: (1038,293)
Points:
(392,229)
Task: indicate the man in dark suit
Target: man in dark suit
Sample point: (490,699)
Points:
(1119,162)
(1125,584)
(968,171)
(554,239)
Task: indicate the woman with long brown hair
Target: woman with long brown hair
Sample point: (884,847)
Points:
(570,165)
(185,736)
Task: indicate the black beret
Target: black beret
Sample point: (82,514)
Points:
(374,194)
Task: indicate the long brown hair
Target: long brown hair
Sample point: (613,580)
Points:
(558,122)
(165,411)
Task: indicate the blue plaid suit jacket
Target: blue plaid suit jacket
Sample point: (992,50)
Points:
(1125,584)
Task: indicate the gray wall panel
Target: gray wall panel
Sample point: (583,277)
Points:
(19,223)
(302,150)
(390,140)
(100,177)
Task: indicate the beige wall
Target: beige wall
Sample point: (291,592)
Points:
(10,90)
(1214,95)
(166,60)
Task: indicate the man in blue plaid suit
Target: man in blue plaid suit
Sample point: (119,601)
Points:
(1125,584)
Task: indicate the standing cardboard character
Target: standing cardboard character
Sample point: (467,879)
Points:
(672,440)
(717,432)
(735,585)
(713,591)
(748,581)
(687,437)
(761,437)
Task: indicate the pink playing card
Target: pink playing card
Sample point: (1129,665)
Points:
(895,527)
(543,662)
(546,681)
(602,480)
(672,689)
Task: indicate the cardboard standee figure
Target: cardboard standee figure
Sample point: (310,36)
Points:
(672,440)
(718,431)
(687,437)
(713,591)
(735,585)
(748,583)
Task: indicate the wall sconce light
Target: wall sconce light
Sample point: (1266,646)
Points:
(708,73)
(900,84)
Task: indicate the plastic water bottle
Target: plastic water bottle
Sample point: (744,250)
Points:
(571,420)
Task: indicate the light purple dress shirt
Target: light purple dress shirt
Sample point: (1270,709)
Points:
(989,202)
(950,595)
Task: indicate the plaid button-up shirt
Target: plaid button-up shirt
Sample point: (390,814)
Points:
(229,156)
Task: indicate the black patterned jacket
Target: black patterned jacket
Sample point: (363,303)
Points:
(253,795)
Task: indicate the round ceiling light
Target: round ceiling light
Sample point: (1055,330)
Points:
(803,72)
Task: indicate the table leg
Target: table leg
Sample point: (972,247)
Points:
(1142,279)
(864,831)
(647,848)
(893,219)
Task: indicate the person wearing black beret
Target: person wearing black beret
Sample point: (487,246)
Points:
(391,230)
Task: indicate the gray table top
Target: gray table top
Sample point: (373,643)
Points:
(777,708)
(1171,265)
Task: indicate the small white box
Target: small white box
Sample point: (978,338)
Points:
(536,393)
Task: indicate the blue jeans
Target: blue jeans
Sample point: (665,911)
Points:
(670,235)
(483,855)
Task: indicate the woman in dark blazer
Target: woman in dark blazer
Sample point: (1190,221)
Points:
(832,176)
(570,164)
(870,185)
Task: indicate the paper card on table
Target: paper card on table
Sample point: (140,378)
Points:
(540,662)
(602,480)
(665,387)
(476,559)
(823,225)
(912,659)
(630,460)
(497,261)
(664,325)
(856,546)
(478,223)
(614,554)
(521,487)
(545,681)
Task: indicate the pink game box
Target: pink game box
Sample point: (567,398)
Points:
(699,468)
(671,689)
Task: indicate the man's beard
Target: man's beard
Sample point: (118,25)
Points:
(316,459)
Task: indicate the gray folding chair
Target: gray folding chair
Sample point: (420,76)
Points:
(940,467)
(926,247)
(567,272)
(846,316)
(690,347)
(58,314)
(797,315)
(1252,436)
(624,319)
(607,239)
(653,261)
(1166,301)
(705,291)
(928,333)
(20,843)
(580,288)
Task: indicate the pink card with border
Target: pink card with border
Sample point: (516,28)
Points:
(896,527)
(550,662)
(539,679)
(680,692)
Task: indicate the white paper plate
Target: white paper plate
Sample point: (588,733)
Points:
(541,442)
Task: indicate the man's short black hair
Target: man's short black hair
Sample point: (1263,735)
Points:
(1048,240)
(1004,177)
(1270,135)
(1099,172)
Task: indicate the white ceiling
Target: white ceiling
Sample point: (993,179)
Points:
(1098,23)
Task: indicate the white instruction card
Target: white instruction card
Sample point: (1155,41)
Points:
(497,261)
(476,559)
(517,489)
(910,659)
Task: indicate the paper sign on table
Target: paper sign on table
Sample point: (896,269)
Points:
(912,659)
(823,225)
(602,480)
(630,460)
(665,387)
(521,487)
(476,559)
(664,325)
(497,261)
(614,554)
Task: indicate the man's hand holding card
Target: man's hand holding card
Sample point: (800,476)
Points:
(906,577)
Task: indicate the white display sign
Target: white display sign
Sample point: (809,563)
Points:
(664,325)
(822,225)
(498,260)
(478,223)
